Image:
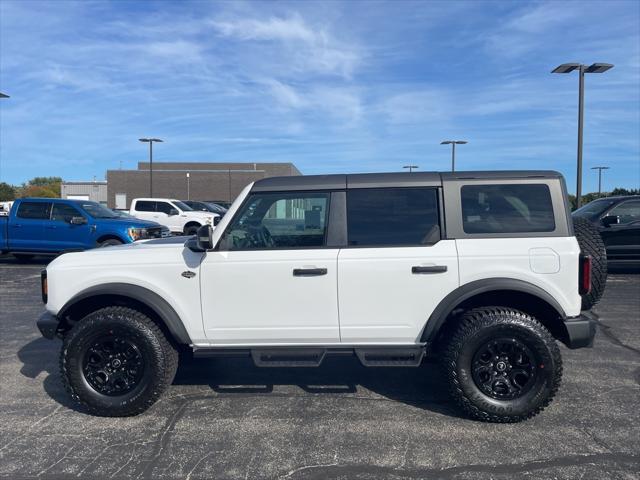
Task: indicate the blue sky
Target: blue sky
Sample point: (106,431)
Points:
(330,86)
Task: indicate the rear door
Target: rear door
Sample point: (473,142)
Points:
(396,268)
(26,228)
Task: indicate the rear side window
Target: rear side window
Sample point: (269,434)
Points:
(34,210)
(145,206)
(386,217)
(506,208)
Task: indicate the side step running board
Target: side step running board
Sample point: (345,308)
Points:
(391,357)
(288,357)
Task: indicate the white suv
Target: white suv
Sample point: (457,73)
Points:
(179,217)
(481,269)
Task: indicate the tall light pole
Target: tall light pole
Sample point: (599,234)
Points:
(150,142)
(582,69)
(188,187)
(599,177)
(453,144)
(410,167)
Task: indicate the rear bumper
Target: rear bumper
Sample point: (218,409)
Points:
(48,325)
(581,330)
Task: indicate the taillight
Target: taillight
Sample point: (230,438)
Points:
(44,286)
(584,275)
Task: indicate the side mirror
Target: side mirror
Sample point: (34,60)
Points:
(78,221)
(216,220)
(203,240)
(173,212)
(610,220)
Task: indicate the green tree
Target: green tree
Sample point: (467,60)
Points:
(48,187)
(7,192)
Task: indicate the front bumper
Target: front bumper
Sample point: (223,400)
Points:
(581,330)
(48,325)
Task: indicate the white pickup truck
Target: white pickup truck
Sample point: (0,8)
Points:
(484,270)
(179,217)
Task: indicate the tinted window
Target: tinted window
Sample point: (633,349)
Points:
(392,216)
(507,208)
(181,205)
(145,206)
(627,211)
(63,212)
(34,210)
(163,207)
(279,220)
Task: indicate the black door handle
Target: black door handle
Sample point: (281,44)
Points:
(309,272)
(429,269)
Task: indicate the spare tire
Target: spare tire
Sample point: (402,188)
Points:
(591,244)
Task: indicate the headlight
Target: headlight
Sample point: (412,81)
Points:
(138,233)
(210,220)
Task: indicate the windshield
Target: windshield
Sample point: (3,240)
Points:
(216,208)
(97,211)
(182,206)
(593,209)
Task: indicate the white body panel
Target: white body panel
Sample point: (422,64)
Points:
(524,259)
(252,297)
(382,301)
(155,267)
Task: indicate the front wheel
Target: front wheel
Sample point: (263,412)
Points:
(116,362)
(110,242)
(191,230)
(502,365)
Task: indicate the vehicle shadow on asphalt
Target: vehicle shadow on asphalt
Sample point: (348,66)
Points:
(422,387)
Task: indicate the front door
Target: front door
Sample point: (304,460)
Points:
(271,279)
(64,235)
(622,240)
(396,268)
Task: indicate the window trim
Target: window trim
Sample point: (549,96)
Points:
(328,217)
(439,209)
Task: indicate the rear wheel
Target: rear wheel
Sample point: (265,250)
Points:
(591,244)
(117,362)
(502,365)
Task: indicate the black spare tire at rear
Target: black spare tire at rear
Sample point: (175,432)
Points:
(591,244)
(117,362)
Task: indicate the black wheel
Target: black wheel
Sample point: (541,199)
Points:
(23,257)
(110,242)
(191,229)
(116,362)
(591,244)
(502,365)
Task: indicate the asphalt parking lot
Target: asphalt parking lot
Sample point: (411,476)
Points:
(225,418)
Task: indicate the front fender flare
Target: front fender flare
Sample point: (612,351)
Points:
(152,300)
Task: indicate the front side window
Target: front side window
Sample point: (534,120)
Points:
(34,210)
(279,220)
(164,207)
(506,208)
(382,217)
(63,212)
(628,212)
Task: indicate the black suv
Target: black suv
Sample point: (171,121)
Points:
(618,219)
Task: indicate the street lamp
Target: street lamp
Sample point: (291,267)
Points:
(453,144)
(582,69)
(188,187)
(599,177)
(410,167)
(150,142)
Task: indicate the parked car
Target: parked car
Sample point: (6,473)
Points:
(481,269)
(206,207)
(618,220)
(180,218)
(5,207)
(49,226)
(222,203)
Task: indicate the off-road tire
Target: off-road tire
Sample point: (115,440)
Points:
(591,244)
(110,242)
(160,361)
(481,325)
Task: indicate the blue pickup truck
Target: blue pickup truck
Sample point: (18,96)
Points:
(49,226)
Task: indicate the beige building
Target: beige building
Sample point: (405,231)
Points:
(189,181)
